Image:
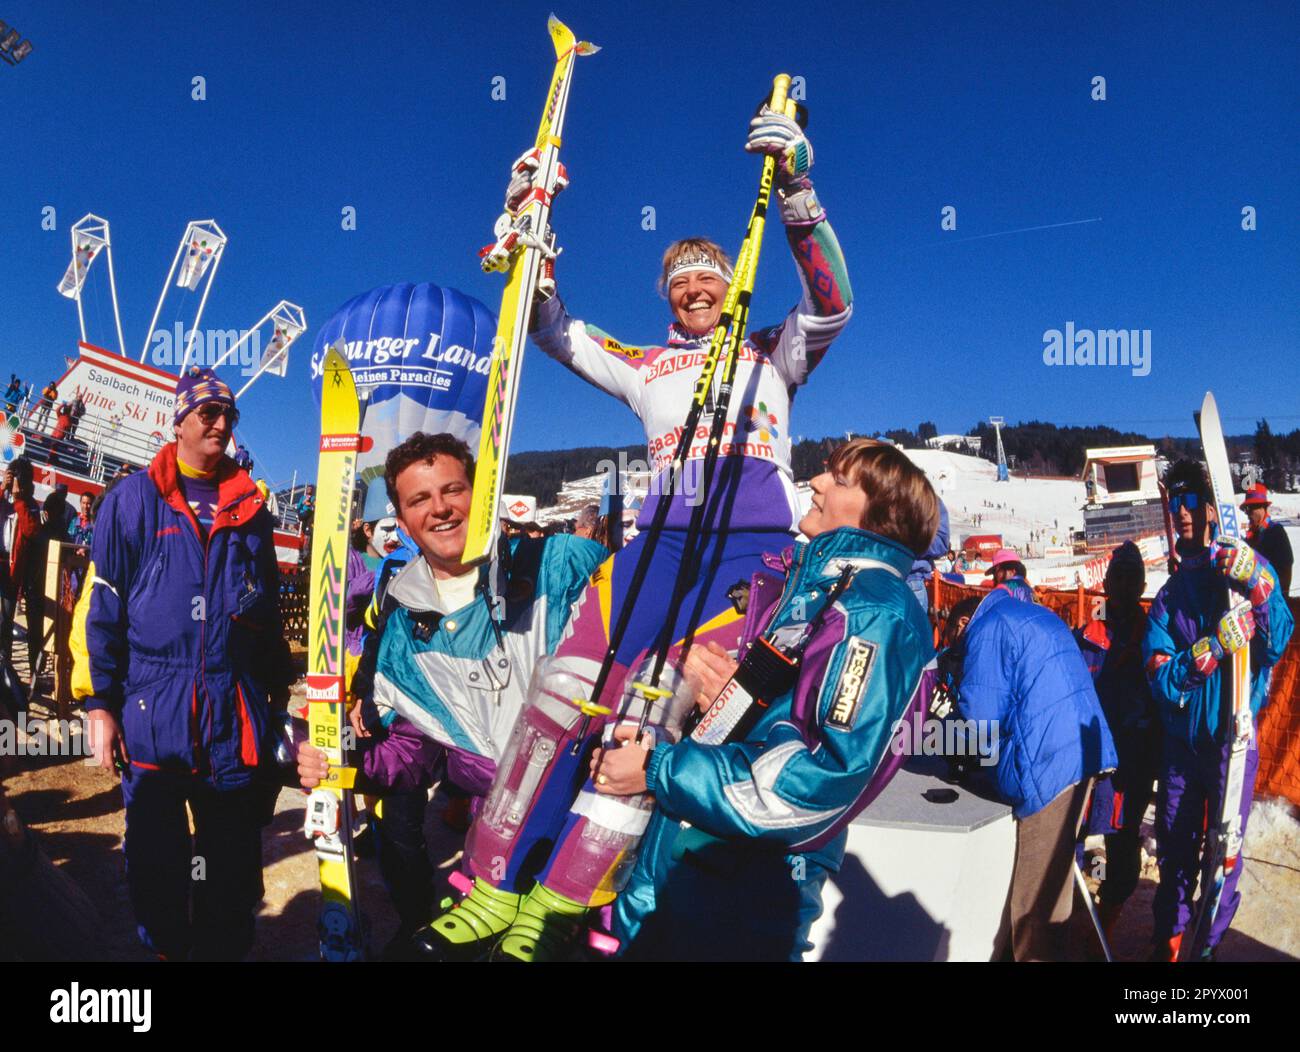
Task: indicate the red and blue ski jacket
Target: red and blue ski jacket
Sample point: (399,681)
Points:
(178,635)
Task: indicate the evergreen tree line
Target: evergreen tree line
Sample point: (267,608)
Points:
(1278,456)
(541,473)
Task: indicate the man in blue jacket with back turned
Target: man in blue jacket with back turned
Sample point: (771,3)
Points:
(179,656)
(1022,672)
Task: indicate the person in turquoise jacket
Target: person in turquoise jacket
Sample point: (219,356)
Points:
(746,831)
(447,668)
(1022,672)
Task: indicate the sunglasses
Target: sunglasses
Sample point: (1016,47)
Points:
(210,412)
(1179,501)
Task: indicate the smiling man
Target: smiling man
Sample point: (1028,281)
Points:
(447,669)
(179,659)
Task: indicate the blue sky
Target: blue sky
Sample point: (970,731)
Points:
(314,106)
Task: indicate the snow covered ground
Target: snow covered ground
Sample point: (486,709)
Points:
(1049,508)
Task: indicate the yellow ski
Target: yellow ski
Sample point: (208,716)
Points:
(523,247)
(329,807)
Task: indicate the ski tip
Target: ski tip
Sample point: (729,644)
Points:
(564,40)
(561,35)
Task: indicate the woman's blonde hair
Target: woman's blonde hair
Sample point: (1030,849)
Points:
(691,246)
(901,503)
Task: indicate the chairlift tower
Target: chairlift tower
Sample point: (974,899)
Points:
(1003,474)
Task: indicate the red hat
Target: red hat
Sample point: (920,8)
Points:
(1004,556)
(1257,494)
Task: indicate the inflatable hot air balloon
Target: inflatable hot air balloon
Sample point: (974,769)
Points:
(420,356)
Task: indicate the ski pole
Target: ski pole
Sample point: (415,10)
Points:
(1092,911)
(743,282)
(721,333)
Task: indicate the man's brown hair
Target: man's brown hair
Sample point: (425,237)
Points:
(901,503)
(421,449)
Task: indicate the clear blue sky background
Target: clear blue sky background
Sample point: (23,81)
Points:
(315,106)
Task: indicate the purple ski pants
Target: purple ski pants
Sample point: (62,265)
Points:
(1190,789)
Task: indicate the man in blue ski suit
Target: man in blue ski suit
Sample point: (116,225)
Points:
(179,658)
(1190,638)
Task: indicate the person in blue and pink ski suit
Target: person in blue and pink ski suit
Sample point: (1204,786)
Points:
(545,849)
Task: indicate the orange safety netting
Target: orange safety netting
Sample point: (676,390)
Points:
(1279,724)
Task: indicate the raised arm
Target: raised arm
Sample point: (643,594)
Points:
(799,342)
(594,355)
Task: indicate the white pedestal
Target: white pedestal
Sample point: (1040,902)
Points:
(921,880)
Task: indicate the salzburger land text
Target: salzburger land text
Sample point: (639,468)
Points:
(388,349)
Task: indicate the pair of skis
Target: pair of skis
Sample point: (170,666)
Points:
(524,247)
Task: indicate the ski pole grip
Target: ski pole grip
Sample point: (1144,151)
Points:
(780,91)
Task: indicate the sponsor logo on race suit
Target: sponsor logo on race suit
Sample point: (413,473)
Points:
(854,677)
(614,347)
(759,418)
(668,366)
(664,447)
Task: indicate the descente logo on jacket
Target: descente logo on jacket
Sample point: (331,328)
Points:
(854,678)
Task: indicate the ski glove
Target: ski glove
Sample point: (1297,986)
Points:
(512,231)
(776,134)
(523,178)
(1248,572)
(1235,631)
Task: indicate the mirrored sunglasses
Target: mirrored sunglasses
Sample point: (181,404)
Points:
(210,411)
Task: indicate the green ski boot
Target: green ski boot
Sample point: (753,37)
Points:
(467,931)
(547,925)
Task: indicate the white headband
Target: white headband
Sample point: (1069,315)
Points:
(701,262)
